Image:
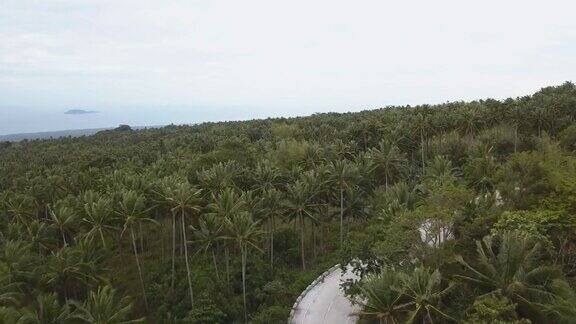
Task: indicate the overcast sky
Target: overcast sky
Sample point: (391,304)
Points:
(145,62)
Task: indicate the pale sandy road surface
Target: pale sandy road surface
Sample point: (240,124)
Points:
(326,303)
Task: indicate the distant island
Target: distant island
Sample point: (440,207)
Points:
(80,112)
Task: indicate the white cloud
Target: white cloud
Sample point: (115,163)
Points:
(277,57)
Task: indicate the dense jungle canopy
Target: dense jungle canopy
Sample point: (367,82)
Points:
(457,212)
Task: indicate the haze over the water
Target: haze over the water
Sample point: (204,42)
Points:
(151,62)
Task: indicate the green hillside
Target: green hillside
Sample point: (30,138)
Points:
(459,212)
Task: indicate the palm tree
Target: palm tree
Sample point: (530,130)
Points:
(226,205)
(65,219)
(422,126)
(344,174)
(99,217)
(423,292)
(517,117)
(45,310)
(266,176)
(184,200)
(244,231)
(103,307)
(271,202)
(562,307)
(39,235)
(396,296)
(65,271)
(17,262)
(9,291)
(218,177)
(380,299)
(299,206)
(387,160)
(132,209)
(207,235)
(469,121)
(514,269)
(440,171)
(21,208)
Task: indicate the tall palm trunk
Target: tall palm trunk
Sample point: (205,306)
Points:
(515,138)
(173,249)
(302,233)
(386,177)
(315,255)
(103,240)
(341,217)
(422,149)
(63,237)
(141,234)
(272,229)
(187,263)
(139,268)
(244,252)
(227,256)
(215,264)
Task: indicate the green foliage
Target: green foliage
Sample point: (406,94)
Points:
(493,309)
(512,270)
(205,312)
(229,222)
(568,138)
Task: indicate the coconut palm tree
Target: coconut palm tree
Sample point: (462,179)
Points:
(66,272)
(65,219)
(103,307)
(46,309)
(299,206)
(9,291)
(380,299)
(132,210)
(207,235)
(220,176)
(99,218)
(423,291)
(223,206)
(18,262)
(512,268)
(244,232)
(21,207)
(272,203)
(421,126)
(562,307)
(387,160)
(266,176)
(38,233)
(186,200)
(344,174)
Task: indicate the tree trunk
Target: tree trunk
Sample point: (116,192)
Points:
(139,268)
(314,242)
(227,257)
(386,177)
(173,249)
(244,258)
(162,241)
(103,240)
(215,264)
(272,229)
(302,233)
(422,149)
(341,217)
(187,263)
(515,138)
(141,233)
(63,238)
